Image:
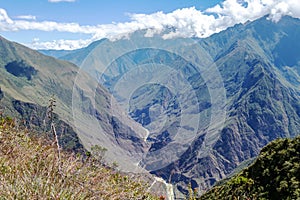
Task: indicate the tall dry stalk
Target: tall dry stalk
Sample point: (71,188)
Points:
(50,113)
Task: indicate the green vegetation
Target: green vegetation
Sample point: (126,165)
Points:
(30,169)
(274,175)
(20,69)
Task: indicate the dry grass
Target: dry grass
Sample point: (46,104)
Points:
(29,169)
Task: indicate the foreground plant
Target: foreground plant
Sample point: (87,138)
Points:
(274,175)
(30,169)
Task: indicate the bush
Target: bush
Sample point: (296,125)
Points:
(274,175)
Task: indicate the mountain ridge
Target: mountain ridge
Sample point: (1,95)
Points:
(262,91)
(58,78)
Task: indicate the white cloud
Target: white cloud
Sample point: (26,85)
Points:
(57,1)
(4,19)
(26,17)
(186,22)
(8,24)
(59,44)
(232,12)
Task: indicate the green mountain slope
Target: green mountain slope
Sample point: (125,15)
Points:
(28,80)
(274,175)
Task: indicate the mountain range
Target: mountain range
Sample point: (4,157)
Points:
(191,111)
(259,66)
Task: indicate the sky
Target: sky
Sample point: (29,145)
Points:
(72,24)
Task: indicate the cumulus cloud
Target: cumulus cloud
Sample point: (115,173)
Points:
(232,11)
(57,1)
(185,22)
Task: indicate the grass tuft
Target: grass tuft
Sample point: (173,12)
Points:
(30,169)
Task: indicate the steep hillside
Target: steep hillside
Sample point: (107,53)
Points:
(29,79)
(274,175)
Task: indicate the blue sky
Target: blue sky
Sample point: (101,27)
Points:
(96,11)
(73,24)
